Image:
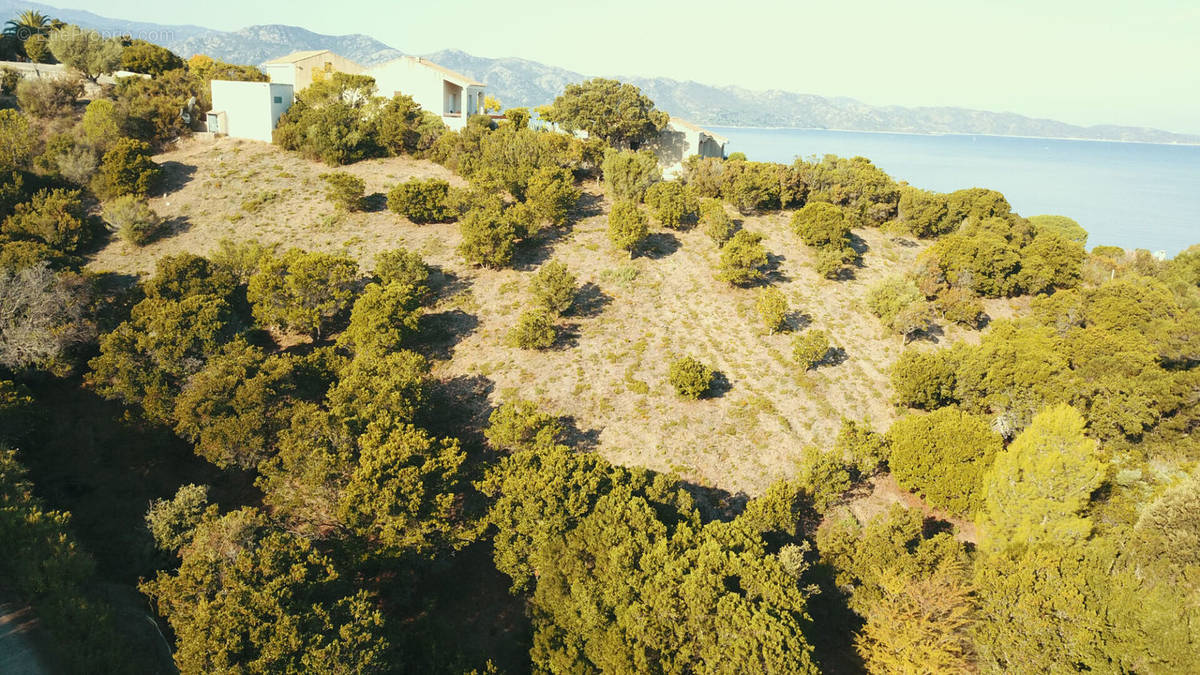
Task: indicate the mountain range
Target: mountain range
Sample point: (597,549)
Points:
(521,82)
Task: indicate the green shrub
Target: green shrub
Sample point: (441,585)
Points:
(810,348)
(742,259)
(824,476)
(9,79)
(1062,226)
(55,217)
(535,329)
(943,455)
(422,201)
(132,220)
(628,174)
(48,97)
(172,521)
(716,222)
(126,169)
(822,225)
(924,214)
(145,57)
(900,305)
(690,378)
(404,267)
(756,187)
(383,317)
(857,443)
(553,288)
(78,165)
(302,291)
(673,204)
(519,425)
(772,308)
(961,306)
(627,227)
(240,259)
(17,141)
(923,379)
(518,117)
(489,236)
(344,190)
(551,194)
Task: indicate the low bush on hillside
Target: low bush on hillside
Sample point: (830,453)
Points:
(772,308)
(627,226)
(811,348)
(422,201)
(535,329)
(553,288)
(126,169)
(673,204)
(132,220)
(690,378)
(743,258)
(344,190)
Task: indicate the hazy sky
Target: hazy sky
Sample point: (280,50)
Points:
(1133,62)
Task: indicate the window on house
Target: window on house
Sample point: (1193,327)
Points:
(279,99)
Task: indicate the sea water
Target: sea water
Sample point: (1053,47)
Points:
(1132,195)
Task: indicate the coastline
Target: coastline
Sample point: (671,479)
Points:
(959,133)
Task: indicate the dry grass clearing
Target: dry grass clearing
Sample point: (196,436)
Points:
(608,374)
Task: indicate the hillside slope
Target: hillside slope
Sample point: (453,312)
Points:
(609,374)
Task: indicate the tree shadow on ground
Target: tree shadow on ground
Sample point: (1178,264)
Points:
(773,272)
(860,247)
(590,301)
(836,356)
(532,253)
(458,407)
(797,321)
(567,337)
(588,206)
(660,245)
(719,387)
(934,333)
(175,175)
(441,332)
(374,202)
(582,439)
(445,284)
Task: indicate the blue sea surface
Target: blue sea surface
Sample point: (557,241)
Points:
(1132,195)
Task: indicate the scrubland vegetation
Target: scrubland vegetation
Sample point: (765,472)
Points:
(504,399)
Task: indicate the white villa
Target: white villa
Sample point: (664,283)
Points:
(301,69)
(453,96)
(681,139)
(248,109)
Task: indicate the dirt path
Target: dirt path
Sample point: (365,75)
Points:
(19,639)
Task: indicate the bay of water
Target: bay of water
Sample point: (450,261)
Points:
(1132,195)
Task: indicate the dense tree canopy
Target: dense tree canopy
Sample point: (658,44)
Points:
(619,113)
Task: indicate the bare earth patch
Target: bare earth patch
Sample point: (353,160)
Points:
(608,374)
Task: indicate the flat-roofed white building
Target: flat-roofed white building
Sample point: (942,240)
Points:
(248,109)
(453,96)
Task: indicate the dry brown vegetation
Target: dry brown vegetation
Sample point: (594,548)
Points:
(608,373)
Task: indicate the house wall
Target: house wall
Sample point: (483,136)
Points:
(429,88)
(407,76)
(300,73)
(252,109)
(677,142)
